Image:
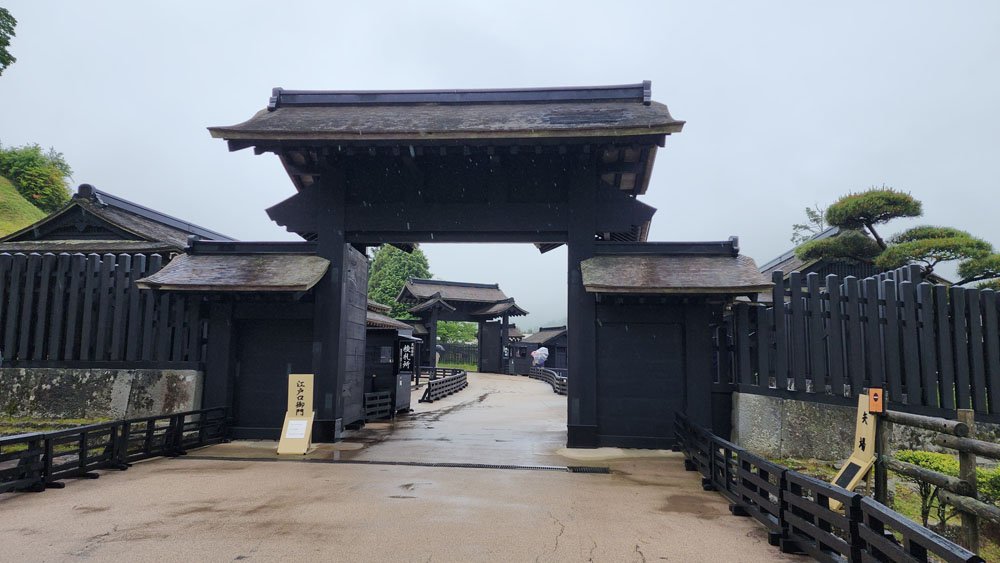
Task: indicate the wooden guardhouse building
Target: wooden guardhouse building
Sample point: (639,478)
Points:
(439,300)
(98,222)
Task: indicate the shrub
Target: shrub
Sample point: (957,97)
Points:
(41,177)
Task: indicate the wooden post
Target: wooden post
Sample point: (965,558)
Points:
(581,314)
(883,437)
(432,337)
(967,472)
(504,332)
(329,358)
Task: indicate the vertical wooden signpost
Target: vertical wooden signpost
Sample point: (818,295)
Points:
(296,432)
(863,457)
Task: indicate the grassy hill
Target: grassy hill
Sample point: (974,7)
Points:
(15,211)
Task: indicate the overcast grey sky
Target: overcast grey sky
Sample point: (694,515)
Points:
(787,103)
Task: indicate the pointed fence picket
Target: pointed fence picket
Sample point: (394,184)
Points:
(933,348)
(71,310)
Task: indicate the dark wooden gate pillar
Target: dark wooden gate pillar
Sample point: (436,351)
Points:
(580,309)
(504,333)
(432,336)
(329,339)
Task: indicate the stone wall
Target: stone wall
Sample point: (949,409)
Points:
(97,393)
(781,428)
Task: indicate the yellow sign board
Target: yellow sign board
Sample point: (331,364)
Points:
(863,457)
(296,432)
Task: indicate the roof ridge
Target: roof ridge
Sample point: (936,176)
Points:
(455,283)
(639,93)
(89,192)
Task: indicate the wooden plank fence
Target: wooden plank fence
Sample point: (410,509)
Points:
(934,348)
(73,310)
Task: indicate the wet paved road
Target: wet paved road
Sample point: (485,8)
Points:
(191,509)
(497,419)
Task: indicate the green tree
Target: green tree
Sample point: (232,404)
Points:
(7,24)
(858,215)
(390,268)
(814,225)
(876,206)
(40,176)
(456,331)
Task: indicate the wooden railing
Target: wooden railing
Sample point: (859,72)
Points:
(36,461)
(378,406)
(558,382)
(434,373)
(805,515)
(444,385)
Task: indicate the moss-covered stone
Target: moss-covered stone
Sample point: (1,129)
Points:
(97,393)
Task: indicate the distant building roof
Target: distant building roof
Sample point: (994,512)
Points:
(544,334)
(789,262)
(417,289)
(514,333)
(120,219)
(378,307)
(379,320)
(238,273)
(472,301)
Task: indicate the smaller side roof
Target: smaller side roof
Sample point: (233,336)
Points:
(544,335)
(499,308)
(672,274)
(238,273)
(378,320)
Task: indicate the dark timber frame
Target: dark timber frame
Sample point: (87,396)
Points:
(543,166)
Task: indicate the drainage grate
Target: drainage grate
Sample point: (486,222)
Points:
(574,469)
(586,469)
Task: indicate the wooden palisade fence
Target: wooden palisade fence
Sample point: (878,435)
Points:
(75,310)
(934,348)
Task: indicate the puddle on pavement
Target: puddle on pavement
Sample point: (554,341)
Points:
(689,504)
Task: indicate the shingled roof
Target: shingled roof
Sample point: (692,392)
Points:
(379,320)
(427,115)
(789,262)
(417,289)
(238,273)
(673,268)
(544,334)
(122,219)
